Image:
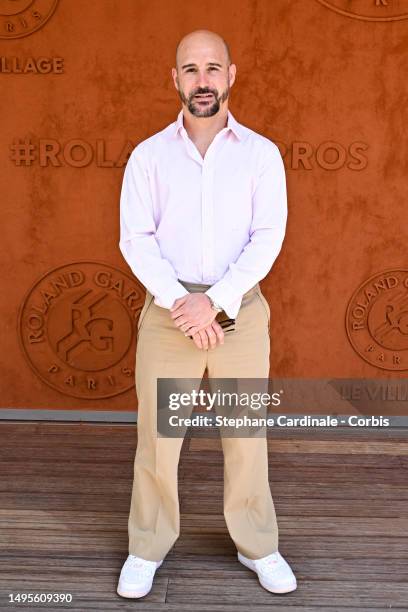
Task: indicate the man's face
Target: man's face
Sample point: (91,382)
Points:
(203,78)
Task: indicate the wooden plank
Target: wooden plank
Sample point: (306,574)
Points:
(96,602)
(196,471)
(317,593)
(307,526)
(339,490)
(36,500)
(203,541)
(194,498)
(55,466)
(198,468)
(200,565)
(48,453)
(121,486)
(14,521)
(313,433)
(11,427)
(127,431)
(67,458)
(362,547)
(337,447)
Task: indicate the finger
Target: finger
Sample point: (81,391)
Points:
(191,326)
(196,327)
(197,341)
(218,331)
(191,331)
(204,338)
(212,337)
(175,314)
(182,322)
(178,303)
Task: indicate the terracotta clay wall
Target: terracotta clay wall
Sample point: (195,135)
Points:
(83,82)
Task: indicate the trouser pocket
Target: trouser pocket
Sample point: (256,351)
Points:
(265,304)
(148,300)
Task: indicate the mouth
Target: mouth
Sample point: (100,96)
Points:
(204,97)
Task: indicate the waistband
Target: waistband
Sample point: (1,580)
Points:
(196,287)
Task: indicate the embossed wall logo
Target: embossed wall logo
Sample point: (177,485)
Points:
(77,328)
(377,320)
(369,10)
(23,17)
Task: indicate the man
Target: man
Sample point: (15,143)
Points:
(203,215)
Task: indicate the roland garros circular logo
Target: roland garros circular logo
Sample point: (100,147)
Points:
(77,329)
(22,17)
(369,10)
(377,320)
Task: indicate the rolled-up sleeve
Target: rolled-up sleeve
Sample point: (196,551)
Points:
(138,243)
(266,235)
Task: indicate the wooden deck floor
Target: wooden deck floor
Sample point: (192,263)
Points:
(341,500)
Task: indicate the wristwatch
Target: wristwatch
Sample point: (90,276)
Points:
(214,305)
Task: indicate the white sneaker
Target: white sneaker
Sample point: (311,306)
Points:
(274,573)
(136,577)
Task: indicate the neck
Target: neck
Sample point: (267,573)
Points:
(202,128)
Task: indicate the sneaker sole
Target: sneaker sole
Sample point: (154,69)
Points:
(132,594)
(123,592)
(285,589)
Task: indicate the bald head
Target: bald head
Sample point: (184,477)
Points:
(202,41)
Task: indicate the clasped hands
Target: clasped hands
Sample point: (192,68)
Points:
(194,316)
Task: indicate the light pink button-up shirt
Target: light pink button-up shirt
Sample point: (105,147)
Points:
(218,220)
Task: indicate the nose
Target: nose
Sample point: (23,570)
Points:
(202,79)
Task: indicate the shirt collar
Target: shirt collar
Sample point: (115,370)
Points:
(232,124)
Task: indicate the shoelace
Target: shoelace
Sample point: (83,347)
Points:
(269,560)
(145,568)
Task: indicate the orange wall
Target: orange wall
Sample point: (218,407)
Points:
(327,86)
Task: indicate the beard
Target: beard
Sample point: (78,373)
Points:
(207,110)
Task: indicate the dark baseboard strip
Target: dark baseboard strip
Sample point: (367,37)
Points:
(110,416)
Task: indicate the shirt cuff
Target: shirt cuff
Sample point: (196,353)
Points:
(220,296)
(174,291)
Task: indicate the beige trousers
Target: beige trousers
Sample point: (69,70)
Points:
(164,351)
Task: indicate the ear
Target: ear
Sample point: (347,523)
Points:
(175,77)
(232,71)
